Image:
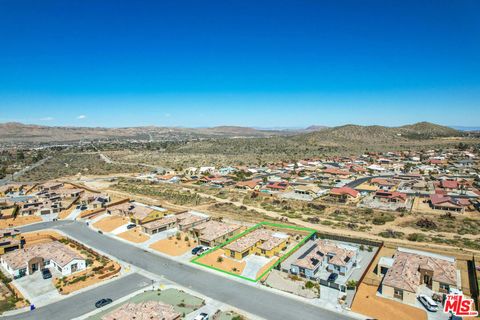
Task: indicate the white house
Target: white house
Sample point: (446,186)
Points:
(54,255)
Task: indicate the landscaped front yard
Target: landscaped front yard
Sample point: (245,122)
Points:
(217,259)
(227,315)
(181,301)
(10,297)
(99,268)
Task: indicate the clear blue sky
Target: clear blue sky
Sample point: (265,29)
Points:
(252,63)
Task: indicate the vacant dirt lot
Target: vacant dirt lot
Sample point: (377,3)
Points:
(18,221)
(174,246)
(110,223)
(134,235)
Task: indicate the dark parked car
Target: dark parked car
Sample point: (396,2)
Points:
(83,208)
(46,274)
(131,226)
(428,303)
(103,302)
(332,277)
(197,250)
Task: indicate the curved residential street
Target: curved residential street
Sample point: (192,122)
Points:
(257,301)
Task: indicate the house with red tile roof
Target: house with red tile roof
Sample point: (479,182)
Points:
(277,185)
(388,196)
(344,194)
(250,185)
(337,172)
(411,270)
(447,203)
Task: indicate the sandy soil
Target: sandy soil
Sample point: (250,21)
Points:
(65,213)
(134,235)
(110,223)
(366,302)
(33,238)
(265,267)
(19,221)
(227,264)
(174,247)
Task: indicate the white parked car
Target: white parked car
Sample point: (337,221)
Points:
(201,316)
(428,303)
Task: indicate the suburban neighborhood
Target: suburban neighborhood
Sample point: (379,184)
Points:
(326,269)
(239,160)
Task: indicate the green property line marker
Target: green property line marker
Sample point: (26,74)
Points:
(261,224)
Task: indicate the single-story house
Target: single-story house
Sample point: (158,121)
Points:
(213,233)
(412,269)
(344,194)
(54,254)
(260,241)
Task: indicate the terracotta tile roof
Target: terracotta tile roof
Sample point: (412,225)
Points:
(391,195)
(251,239)
(55,251)
(249,183)
(336,172)
(187,218)
(440,199)
(212,230)
(344,191)
(165,221)
(405,271)
(449,184)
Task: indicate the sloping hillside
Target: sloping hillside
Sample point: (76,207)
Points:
(17,132)
(378,134)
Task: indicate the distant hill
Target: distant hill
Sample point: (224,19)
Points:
(348,134)
(13,132)
(315,128)
(378,134)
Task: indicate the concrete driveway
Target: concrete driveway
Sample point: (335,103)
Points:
(79,304)
(254,264)
(37,290)
(252,299)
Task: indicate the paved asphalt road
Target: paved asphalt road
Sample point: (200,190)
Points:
(359,181)
(263,303)
(17,174)
(83,303)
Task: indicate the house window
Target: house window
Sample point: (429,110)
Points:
(232,254)
(444,287)
(383,270)
(397,293)
(263,251)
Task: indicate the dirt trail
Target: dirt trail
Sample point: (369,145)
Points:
(372,234)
